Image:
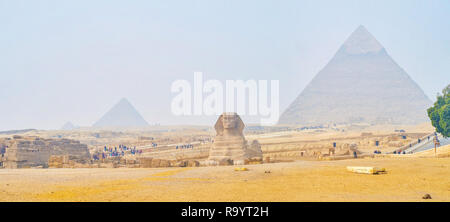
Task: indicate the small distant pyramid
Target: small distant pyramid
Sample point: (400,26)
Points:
(360,84)
(68,126)
(123,114)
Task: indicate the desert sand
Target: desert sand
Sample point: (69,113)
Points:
(407,179)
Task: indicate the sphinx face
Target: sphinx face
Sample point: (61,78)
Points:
(229,121)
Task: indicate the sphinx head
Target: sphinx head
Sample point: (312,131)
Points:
(229,122)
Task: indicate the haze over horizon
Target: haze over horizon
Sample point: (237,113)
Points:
(73,61)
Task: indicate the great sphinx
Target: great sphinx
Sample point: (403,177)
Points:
(230,146)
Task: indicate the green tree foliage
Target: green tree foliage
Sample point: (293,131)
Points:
(440,113)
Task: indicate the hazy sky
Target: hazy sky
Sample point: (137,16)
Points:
(73,60)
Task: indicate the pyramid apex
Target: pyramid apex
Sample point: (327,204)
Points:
(123,114)
(361,42)
(361,30)
(68,126)
(361,27)
(123,99)
(124,102)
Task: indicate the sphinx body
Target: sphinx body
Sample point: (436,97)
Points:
(230,145)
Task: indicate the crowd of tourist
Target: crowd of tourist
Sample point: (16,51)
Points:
(116,151)
(123,150)
(3,150)
(184,146)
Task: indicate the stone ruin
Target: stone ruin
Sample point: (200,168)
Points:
(142,162)
(148,162)
(20,152)
(230,146)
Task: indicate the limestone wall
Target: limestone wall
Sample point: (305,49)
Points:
(34,151)
(200,152)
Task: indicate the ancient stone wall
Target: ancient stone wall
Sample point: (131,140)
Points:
(22,152)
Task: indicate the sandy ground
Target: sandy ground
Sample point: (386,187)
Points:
(408,179)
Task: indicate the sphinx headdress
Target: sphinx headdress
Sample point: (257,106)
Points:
(239,124)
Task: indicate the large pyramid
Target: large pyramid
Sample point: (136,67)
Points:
(123,114)
(361,84)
